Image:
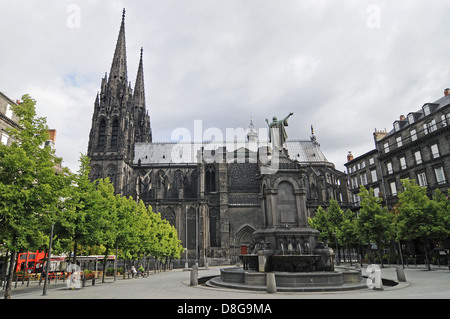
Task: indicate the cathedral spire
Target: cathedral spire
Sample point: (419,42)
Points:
(119,65)
(142,125)
(139,89)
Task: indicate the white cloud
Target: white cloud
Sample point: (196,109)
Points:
(226,61)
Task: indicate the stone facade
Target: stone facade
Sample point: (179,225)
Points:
(8,119)
(418,148)
(213,193)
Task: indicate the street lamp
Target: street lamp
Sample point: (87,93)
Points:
(47,268)
(186,264)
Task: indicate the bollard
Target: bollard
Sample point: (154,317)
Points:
(400,273)
(271,283)
(194,275)
(93,281)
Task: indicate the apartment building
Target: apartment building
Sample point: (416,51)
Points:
(8,119)
(417,147)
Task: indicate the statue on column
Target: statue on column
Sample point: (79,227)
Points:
(277,132)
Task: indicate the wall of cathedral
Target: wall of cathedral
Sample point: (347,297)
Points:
(217,207)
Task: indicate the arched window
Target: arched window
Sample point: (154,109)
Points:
(178,180)
(286,203)
(210,179)
(214,226)
(169,215)
(115,135)
(112,174)
(101,135)
(96,172)
(191,228)
(193,186)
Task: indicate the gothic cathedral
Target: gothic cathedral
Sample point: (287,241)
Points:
(215,194)
(120,120)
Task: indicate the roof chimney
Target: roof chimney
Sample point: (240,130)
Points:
(52,135)
(349,156)
(402,117)
(51,138)
(446,91)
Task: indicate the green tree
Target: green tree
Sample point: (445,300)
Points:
(80,206)
(443,207)
(420,218)
(30,189)
(328,223)
(162,241)
(127,240)
(347,234)
(374,221)
(320,222)
(104,220)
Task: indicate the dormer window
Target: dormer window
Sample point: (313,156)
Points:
(426,110)
(396,126)
(410,118)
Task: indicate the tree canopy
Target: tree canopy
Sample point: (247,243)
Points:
(36,194)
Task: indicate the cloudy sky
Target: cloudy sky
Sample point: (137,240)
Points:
(345,67)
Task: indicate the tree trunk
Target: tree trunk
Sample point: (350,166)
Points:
(105,260)
(379,254)
(10,275)
(74,260)
(350,255)
(426,256)
(3,274)
(115,263)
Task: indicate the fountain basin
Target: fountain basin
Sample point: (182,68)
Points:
(289,263)
(294,263)
(282,279)
(234,275)
(238,278)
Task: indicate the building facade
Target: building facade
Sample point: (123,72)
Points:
(214,193)
(417,148)
(8,119)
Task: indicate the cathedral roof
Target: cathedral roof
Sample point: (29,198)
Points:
(303,151)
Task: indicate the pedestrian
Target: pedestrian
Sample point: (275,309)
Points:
(133,270)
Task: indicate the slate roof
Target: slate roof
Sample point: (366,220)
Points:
(419,114)
(304,151)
